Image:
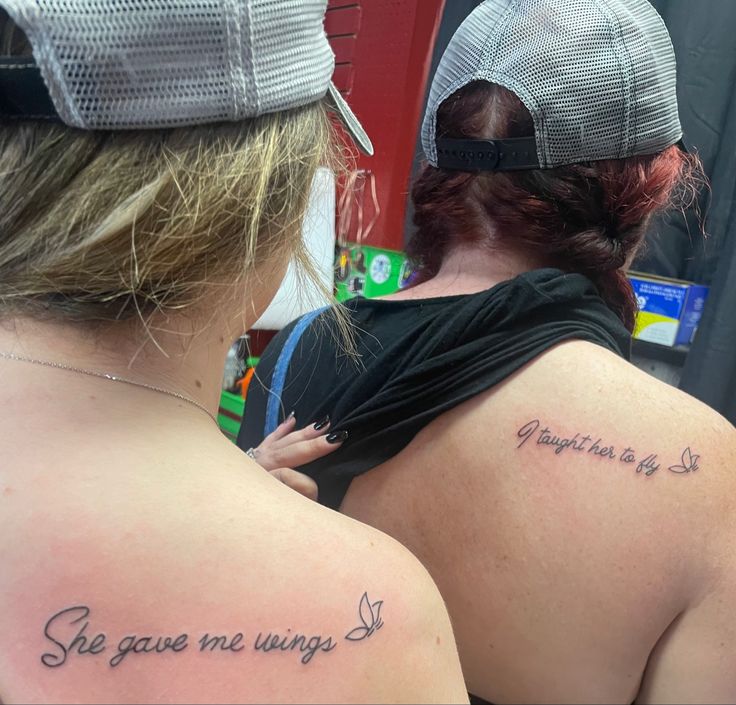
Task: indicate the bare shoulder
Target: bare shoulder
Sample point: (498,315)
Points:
(579,482)
(690,510)
(696,509)
(634,447)
(580,402)
(581,432)
(580,380)
(598,381)
(216,587)
(393,636)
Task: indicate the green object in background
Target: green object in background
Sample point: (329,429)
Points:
(230,415)
(232,406)
(360,270)
(370,272)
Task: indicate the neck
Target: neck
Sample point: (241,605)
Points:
(472,268)
(187,363)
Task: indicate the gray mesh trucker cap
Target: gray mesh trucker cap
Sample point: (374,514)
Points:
(597,76)
(126,64)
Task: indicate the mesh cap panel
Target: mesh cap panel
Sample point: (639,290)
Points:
(163,63)
(597,76)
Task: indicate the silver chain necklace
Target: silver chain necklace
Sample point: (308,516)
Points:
(108,376)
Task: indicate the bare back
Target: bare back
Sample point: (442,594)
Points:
(578,520)
(156,563)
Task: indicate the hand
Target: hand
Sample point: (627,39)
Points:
(286,449)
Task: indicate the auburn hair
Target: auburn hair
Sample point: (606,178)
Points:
(589,218)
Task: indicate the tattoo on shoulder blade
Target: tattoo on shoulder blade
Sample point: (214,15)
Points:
(689,463)
(370,615)
(70,634)
(645,462)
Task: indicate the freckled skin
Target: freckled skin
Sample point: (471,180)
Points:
(563,571)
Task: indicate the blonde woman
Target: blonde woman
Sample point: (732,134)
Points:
(155,163)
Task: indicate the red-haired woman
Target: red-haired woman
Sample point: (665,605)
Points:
(576,513)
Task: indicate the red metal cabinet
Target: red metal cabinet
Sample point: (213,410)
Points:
(383,51)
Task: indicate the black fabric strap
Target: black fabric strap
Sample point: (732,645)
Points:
(23,93)
(518,154)
(487,155)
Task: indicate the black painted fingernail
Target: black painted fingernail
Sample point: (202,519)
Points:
(291,416)
(337,437)
(321,424)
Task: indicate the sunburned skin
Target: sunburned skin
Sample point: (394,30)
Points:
(195,576)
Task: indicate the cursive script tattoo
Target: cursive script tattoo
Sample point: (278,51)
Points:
(220,643)
(308,646)
(133,644)
(80,642)
(370,615)
(646,463)
(69,633)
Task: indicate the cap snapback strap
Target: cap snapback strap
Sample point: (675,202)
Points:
(516,154)
(487,155)
(23,93)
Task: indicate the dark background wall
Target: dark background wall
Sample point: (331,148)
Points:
(704,35)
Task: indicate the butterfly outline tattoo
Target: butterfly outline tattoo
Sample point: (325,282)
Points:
(689,463)
(370,615)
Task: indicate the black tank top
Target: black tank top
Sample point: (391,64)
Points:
(416,360)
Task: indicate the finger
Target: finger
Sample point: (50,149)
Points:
(303,452)
(301,483)
(283,429)
(315,430)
